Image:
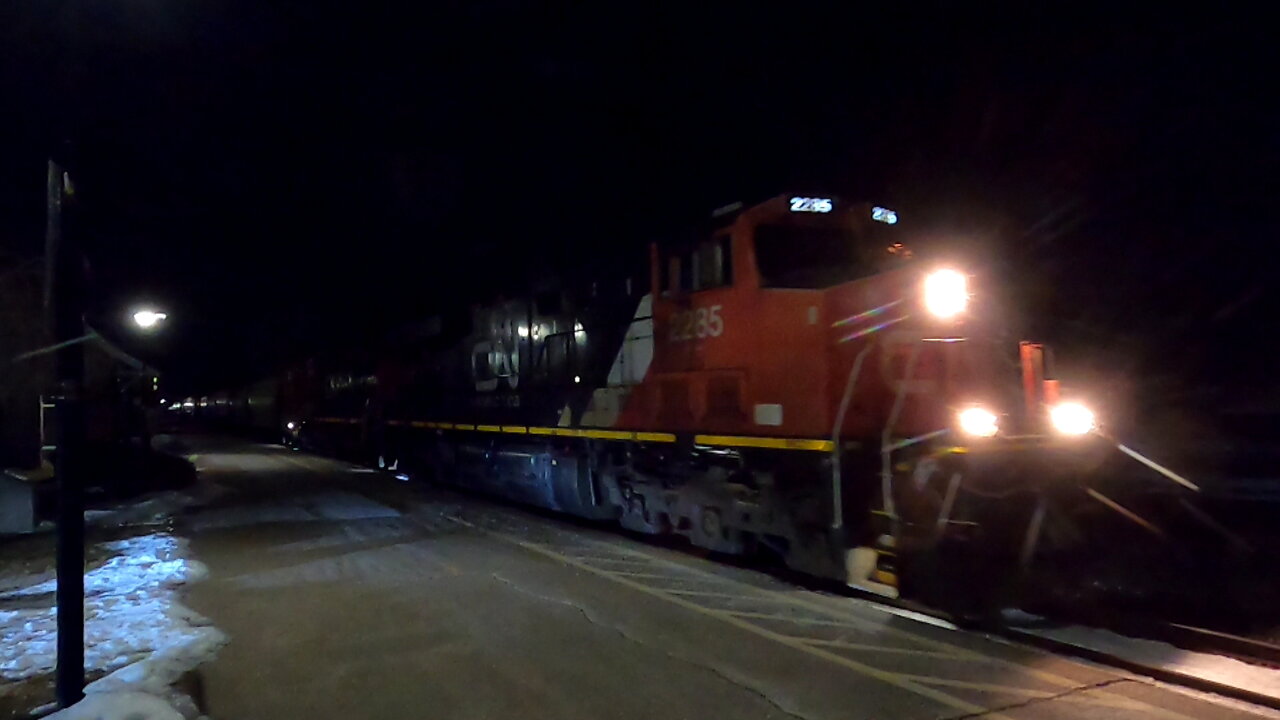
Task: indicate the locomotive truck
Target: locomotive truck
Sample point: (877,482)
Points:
(797,380)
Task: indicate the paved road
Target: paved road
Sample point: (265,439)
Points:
(348,594)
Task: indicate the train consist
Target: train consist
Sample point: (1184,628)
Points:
(797,380)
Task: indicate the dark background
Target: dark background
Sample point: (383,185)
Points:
(287,176)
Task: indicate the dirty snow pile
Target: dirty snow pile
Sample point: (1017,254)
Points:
(134,629)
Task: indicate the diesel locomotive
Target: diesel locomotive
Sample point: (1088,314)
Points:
(796,380)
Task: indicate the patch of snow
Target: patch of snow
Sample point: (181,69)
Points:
(1213,668)
(134,625)
(119,706)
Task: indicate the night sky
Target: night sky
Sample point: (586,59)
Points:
(284,177)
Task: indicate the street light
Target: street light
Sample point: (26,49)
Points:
(148,319)
(69,461)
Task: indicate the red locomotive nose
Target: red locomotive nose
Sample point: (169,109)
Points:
(893,363)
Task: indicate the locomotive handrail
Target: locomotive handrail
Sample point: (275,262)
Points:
(837,498)
(541,348)
(886,449)
(540,355)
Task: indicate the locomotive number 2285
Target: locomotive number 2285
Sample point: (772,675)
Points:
(700,322)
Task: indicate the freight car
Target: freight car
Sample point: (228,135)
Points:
(795,380)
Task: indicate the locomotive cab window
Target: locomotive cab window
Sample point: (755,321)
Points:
(704,266)
(811,258)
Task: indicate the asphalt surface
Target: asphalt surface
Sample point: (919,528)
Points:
(349,594)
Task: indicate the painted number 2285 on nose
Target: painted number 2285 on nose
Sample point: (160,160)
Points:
(700,322)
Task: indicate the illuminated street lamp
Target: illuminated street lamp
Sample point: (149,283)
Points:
(69,461)
(148,319)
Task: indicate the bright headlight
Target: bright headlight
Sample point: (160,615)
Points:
(1072,418)
(978,422)
(291,425)
(946,293)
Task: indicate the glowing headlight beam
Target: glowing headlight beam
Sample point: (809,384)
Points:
(1072,419)
(946,293)
(978,422)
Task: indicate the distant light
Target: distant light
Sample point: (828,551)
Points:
(577,378)
(163,401)
(522,331)
(148,318)
(291,425)
(884,215)
(1072,419)
(402,477)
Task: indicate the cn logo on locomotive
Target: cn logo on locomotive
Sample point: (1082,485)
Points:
(491,361)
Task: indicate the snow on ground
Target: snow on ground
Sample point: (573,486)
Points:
(119,706)
(135,629)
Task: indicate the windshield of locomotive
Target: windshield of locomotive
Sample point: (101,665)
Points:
(791,256)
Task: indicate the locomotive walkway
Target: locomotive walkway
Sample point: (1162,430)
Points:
(348,594)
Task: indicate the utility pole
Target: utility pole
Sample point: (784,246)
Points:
(64,298)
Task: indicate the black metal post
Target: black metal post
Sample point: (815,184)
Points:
(65,294)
